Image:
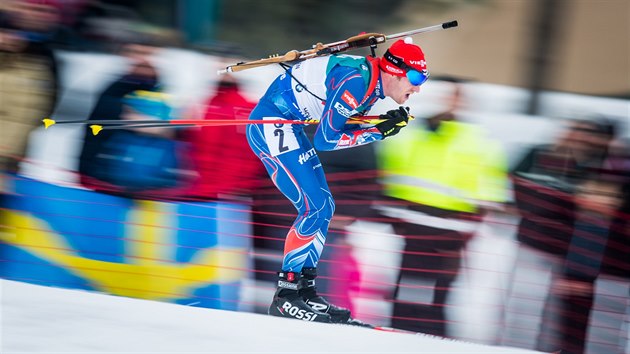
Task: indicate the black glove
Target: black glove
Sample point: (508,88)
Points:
(395,120)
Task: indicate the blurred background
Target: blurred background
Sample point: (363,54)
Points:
(521,238)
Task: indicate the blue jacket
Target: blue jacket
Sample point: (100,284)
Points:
(330,89)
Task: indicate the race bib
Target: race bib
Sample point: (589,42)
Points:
(280,138)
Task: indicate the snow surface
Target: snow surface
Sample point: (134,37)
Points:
(53,320)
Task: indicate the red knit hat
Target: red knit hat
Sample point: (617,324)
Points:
(411,55)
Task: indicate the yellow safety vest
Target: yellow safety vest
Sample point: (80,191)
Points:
(455,168)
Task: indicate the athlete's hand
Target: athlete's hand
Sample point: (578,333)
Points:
(395,120)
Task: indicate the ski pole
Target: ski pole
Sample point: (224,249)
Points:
(97,128)
(205,122)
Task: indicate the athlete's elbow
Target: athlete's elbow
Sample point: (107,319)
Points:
(322,145)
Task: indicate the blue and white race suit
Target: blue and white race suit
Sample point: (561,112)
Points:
(330,89)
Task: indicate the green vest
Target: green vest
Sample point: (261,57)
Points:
(455,168)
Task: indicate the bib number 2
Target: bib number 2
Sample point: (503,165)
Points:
(280,134)
(280,138)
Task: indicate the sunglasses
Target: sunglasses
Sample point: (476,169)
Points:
(417,78)
(414,76)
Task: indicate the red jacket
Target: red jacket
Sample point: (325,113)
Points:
(220,154)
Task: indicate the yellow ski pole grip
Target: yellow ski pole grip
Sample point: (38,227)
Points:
(48,122)
(96,129)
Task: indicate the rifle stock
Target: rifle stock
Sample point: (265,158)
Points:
(290,56)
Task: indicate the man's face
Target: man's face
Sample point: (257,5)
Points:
(585,137)
(141,58)
(400,89)
(36,17)
(11,41)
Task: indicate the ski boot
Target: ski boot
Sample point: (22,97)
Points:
(287,301)
(309,293)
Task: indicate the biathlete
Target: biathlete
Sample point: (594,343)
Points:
(330,89)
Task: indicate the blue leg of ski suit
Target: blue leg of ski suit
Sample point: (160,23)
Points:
(289,156)
(299,175)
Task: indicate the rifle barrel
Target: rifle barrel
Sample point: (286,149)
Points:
(445,25)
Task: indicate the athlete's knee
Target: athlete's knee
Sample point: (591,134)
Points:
(327,209)
(321,217)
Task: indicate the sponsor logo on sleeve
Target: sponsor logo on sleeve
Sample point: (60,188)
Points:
(345,140)
(352,139)
(342,110)
(349,99)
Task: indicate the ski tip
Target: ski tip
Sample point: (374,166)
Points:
(96,129)
(48,122)
(393,330)
(358,323)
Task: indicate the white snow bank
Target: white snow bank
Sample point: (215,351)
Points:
(44,319)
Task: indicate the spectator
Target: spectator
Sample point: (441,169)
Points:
(47,21)
(545,182)
(146,162)
(140,76)
(600,244)
(28,72)
(439,179)
(220,154)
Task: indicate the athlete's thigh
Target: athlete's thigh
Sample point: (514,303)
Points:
(313,159)
(318,169)
(286,154)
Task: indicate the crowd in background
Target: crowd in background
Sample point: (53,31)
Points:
(434,186)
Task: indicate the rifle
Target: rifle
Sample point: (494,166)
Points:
(359,41)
